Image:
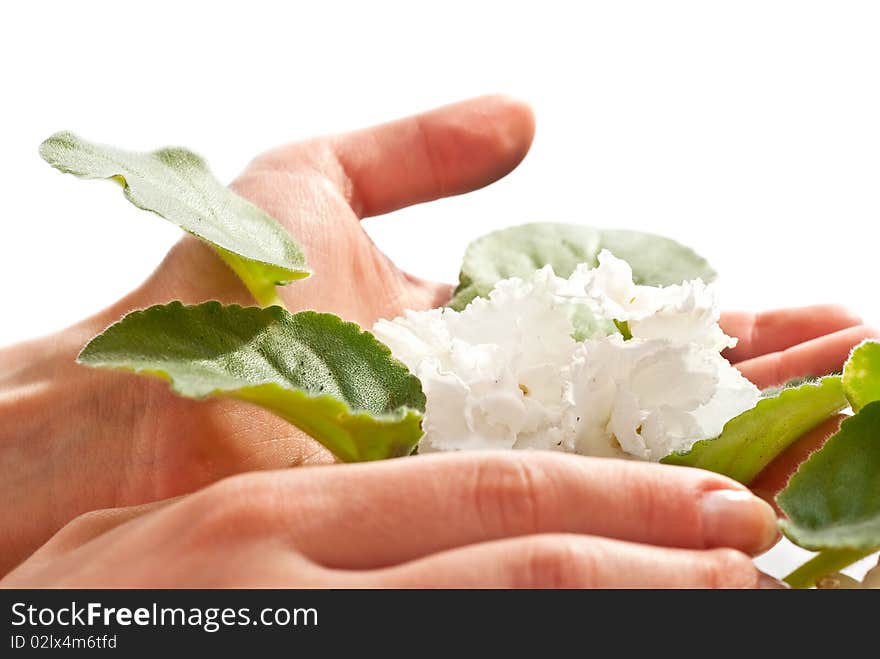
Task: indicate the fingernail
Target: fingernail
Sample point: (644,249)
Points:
(738,519)
(766,582)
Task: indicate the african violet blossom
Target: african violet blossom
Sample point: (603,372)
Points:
(506,373)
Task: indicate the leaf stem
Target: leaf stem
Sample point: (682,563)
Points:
(823,563)
(623,327)
(273,300)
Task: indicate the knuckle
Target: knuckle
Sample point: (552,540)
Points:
(88,520)
(512,495)
(666,503)
(646,496)
(278,159)
(775,366)
(235,507)
(728,568)
(87,524)
(556,562)
(91,524)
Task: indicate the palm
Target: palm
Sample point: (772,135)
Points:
(319,190)
(352,278)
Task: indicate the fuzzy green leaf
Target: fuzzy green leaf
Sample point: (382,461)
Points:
(519,251)
(177,185)
(833,500)
(326,376)
(752,440)
(774,390)
(861,375)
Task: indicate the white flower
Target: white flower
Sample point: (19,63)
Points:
(650,397)
(686,313)
(492,374)
(506,372)
(610,287)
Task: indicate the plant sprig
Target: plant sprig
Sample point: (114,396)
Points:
(832,502)
(328,377)
(176,184)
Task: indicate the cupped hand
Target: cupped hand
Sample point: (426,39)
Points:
(781,345)
(465,520)
(83,439)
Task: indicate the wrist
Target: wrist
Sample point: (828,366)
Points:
(69,434)
(51,411)
(75,439)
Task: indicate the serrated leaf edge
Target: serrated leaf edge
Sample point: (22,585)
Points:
(763,402)
(856,406)
(787,526)
(278,313)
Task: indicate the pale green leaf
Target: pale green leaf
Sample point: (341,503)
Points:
(751,441)
(177,185)
(587,325)
(655,260)
(861,375)
(833,500)
(326,376)
(519,251)
(774,390)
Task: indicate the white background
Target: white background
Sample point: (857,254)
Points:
(749,130)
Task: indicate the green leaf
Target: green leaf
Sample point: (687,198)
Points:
(833,500)
(519,251)
(752,440)
(326,376)
(656,260)
(861,375)
(176,184)
(586,325)
(793,383)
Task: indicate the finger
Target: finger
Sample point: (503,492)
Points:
(444,152)
(96,523)
(811,359)
(365,516)
(775,475)
(772,331)
(573,561)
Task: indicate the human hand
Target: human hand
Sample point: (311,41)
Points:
(777,346)
(321,189)
(502,519)
(76,440)
(73,439)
